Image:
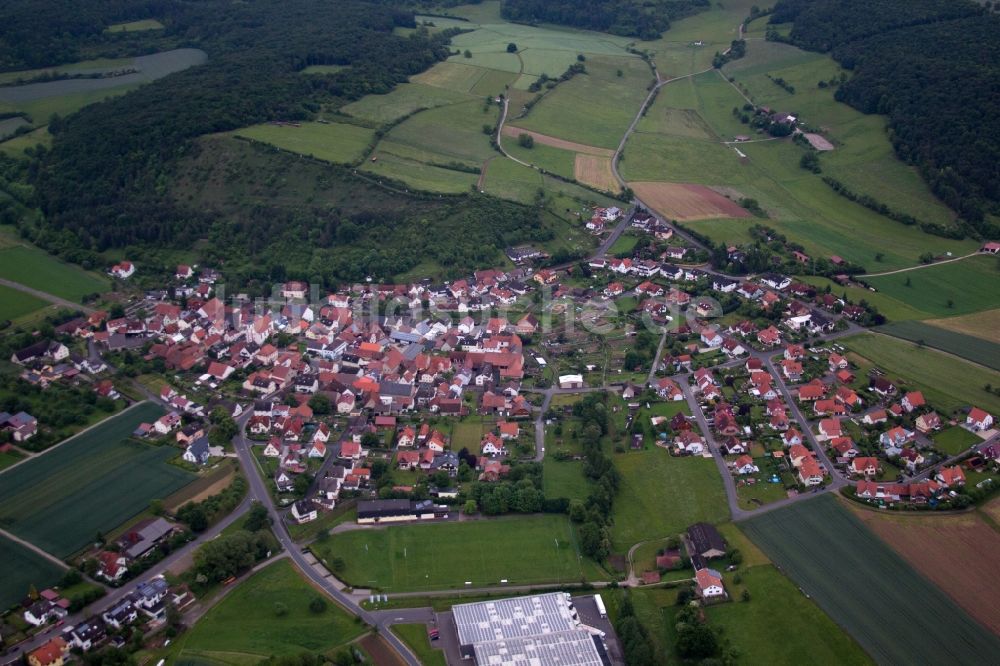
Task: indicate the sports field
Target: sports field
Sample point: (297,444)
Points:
(245,627)
(970,285)
(947,382)
(40,270)
(521,549)
(14,303)
(332,142)
(22,569)
(661,495)
(94,482)
(968,347)
(895,613)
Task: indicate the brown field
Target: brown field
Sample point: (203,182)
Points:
(956,552)
(818,142)
(595,171)
(992,509)
(985,325)
(547,140)
(678,201)
(196,491)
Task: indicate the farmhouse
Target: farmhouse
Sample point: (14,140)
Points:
(708,584)
(979,419)
(704,540)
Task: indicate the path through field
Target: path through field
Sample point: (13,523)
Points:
(914,268)
(33,548)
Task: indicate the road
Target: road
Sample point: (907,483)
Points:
(46,296)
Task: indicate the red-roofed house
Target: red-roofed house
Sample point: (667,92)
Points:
(951,476)
(979,419)
(865,466)
(913,400)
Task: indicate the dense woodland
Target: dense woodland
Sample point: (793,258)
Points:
(646,19)
(933,68)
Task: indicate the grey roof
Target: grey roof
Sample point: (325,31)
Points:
(148,536)
(565,648)
(519,617)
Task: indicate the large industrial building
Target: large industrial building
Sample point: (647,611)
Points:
(540,630)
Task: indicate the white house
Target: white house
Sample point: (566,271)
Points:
(709,584)
(979,419)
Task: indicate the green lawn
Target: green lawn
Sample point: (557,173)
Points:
(404,99)
(894,613)
(419,175)
(563,478)
(9,458)
(415,636)
(521,549)
(893,309)
(15,146)
(322,69)
(970,285)
(245,627)
(947,382)
(22,569)
(954,440)
(135,26)
(94,482)
(661,495)
(780,625)
(968,347)
(14,303)
(332,142)
(40,270)
(447,134)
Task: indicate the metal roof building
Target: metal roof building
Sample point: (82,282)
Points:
(540,630)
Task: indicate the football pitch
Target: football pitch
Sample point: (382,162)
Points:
(94,482)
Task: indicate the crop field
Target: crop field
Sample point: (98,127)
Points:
(596,172)
(892,611)
(81,67)
(404,99)
(969,285)
(22,569)
(522,549)
(445,134)
(683,202)
(40,270)
(947,382)
(984,325)
(331,142)
(661,495)
(454,76)
(968,347)
(14,303)
(578,110)
(554,160)
(244,627)
(135,26)
(952,551)
(93,482)
(892,308)
(675,121)
(555,142)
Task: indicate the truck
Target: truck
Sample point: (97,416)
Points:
(600,605)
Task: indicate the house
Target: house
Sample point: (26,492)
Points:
(895,437)
(866,466)
(769,337)
(951,476)
(829,428)
(42,611)
(913,400)
(85,635)
(708,583)
(144,536)
(492,445)
(744,465)
(23,426)
(875,417)
(882,386)
(303,511)
(912,458)
(928,422)
(317,449)
(52,653)
(843,447)
(705,540)
(197,452)
(689,442)
(508,429)
(979,419)
(123,270)
(810,473)
(837,362)
(350,450)
(668,389)
(112,566)
(570,381)
(121,614)
(791,437)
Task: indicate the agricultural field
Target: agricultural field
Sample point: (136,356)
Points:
(403,100)
(15,146)
(661,495)
(968,347)
(9,126)
(245,627)
(415,636)
(331,142)
(968,285)
(984,325)
(678,201)
(895,614)
(444,135)
(952,551)
(400,558)
(14,303)
(947,382)
(419,175)
(40,270)
(135,26)
(596,172)
(22,569)
(893,309)
(548,158)
(91,483)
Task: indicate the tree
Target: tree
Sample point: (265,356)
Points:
(223,429)
(317,605)
(280,609)
(577,511)
(156,507)
(512,48)
(370,440)
(467,53)
(470,507)
(229,555)
(320,404)
(525,140)
(696,641)
(258,518)
(193,514)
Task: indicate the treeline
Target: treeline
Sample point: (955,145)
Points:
(645,19)
(932,67)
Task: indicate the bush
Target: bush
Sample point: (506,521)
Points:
(317,605)
(526,140)
(280,609)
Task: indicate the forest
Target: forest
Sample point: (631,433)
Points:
(932,67)
(645,19)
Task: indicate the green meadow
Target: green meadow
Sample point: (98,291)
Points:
(331,142)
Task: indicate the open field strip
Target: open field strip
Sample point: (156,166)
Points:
(897,615)
(977,350)
(685,202)
(40,270)
(984,325)
(22,569)
(332,142)
(91,483)
(960,287)
(555,142)
(15,304)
